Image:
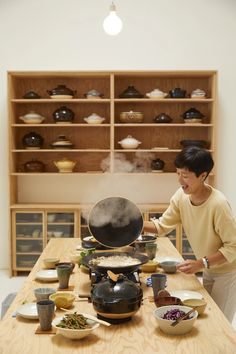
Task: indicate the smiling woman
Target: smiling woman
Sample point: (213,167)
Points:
(209,225)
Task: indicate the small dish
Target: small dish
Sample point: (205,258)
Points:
(47,275)
(51,262)
(166,259)
(149,267)
(198,304)
(169,266)
(43,293)
(186,294)
(28,310)
(62,299)
(167,301)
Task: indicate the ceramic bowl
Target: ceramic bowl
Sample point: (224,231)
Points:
(183,327)
(58,234)
(131,117)
(74,333)
(25,247)
(200,304)
(43,293)
(149,267)
(63,299)
(169,266)
(51,262)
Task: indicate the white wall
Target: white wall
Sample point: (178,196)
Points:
(157,35)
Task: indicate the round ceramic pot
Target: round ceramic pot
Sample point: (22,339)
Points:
(32,118)
(32,141)
(129,143)
(65,165)
(62,143)
(63,115)
(34,166)
(130,92)
(177,93)
(131,117)
(157,164)
(61,91)
(93,94)
(31,95)
(162,118)
(119,299)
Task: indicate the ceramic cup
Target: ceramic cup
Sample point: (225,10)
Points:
(45,310)
(151,249)
(158,283)
(63,273)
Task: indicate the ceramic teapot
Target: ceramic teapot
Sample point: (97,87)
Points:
(32,118)
(31,95)
(61,91)
(156,94)
(32,141)
(130,92)
(129,143)
(93,94)
(65,165)
(94,118)
(157,165)
(63,115)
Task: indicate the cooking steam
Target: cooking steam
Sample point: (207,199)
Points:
(118,212)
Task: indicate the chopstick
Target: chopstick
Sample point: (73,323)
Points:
(173,324)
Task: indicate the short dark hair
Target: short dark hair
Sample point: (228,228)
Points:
(195,159)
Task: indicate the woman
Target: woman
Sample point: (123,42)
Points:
(209,225)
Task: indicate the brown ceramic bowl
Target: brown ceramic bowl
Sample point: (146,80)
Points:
(167,300)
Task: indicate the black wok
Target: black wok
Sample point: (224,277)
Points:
(115,222)
(124,269)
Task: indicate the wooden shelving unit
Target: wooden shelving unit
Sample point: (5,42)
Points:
(96,143)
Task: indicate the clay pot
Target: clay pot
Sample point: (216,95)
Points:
(63,115)
(157,164)
(32,141)
(31,95)
(130,92)
(34,166)
(61,91)
(65,165)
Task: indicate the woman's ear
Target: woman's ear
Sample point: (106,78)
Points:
(204,176)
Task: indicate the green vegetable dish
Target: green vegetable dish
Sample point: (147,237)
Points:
(74,321)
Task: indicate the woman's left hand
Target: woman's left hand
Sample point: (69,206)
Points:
(190,266)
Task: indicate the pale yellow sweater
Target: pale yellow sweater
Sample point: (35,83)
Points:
(209,227)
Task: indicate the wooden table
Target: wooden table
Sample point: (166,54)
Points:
(211,334)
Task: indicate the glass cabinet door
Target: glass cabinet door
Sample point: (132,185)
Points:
(28,241)
(60,224)
(172,234)
(187,251)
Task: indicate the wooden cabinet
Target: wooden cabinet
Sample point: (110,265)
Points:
(32,228)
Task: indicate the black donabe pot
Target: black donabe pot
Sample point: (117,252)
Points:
(118,300)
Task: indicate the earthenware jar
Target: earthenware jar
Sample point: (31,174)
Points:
(156,93)
(157,164)
(34,166)
(177,93)
(32,118)
(31,95)
(130,92)
(93,94)
(32,141)
(129,143)
(162,118)
(63,115)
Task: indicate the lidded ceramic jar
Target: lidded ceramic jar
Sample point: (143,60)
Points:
(65,165)
(93,94)
(63,115)
(61,91)
(94,118)
(198,94)
(34,166)
(162,118)
(62,143)
(129,143)
(32,141)
(131,92)
(193,115)
(131,117)
(157,165)
(177,93)
(32,118)
(156,94)
(31,95)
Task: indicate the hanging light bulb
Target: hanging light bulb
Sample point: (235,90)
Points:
(112,24)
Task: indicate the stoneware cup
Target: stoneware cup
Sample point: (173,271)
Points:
(151,249)
(63,274)
(45,310)
(158,283)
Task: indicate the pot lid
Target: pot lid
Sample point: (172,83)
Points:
(115,222)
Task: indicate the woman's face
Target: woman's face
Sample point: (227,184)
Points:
(189,182)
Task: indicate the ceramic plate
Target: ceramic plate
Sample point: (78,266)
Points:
(167,259)
(47,275)
(186,294)
(28,311)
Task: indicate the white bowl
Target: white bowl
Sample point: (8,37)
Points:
(74,333)
(183,327)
